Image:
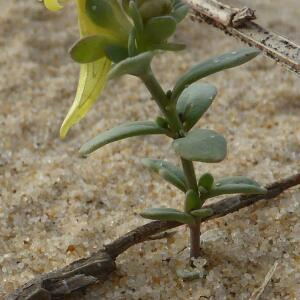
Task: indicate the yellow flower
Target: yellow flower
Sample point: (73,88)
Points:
(93,75)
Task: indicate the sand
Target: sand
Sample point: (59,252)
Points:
(56,207)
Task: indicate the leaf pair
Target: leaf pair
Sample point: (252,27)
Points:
(193,210)
(193,100)
(199,145)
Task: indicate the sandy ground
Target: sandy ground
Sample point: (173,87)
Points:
(56,207)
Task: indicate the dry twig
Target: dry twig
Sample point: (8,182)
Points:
(100,265)
(258,292)
(239,23)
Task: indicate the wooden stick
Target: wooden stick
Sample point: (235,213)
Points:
(239,23)
(100,265)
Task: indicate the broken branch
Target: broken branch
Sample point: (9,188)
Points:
(238,23)
(100,265)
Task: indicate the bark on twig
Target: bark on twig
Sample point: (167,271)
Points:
(221,13)
(100,265)
(238,23)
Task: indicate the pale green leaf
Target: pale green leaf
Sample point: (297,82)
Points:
(180,12)
(194,102)
(206,181)
(173,179)
(202,145)
(132,47)
(168,171)
(236,185)
(136,65)
(159,29)
(136,17)
(192,201)
(167,214)
(121,132)
(213,65)
(157,164)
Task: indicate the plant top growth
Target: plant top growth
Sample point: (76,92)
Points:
(121,38)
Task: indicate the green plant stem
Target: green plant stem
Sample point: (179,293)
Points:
(190,175)
(195,233)
(164,103)
(168,108)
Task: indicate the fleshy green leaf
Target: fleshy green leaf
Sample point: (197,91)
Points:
(167,214)
(236,185)
(132,47)
(194,102)
(159,29)
(121,132)
(202,145)
(192,201)
(136,17)
(180,12)
(206,181)
(158,166)
(172,178)
(202,213)
(88,49)
(136,65)
(213,65)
